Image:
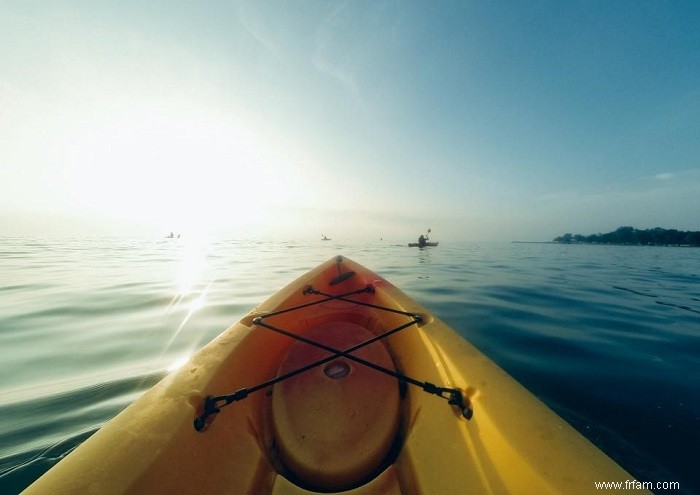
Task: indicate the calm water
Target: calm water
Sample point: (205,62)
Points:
(608,336)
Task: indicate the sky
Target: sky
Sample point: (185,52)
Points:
(481,120)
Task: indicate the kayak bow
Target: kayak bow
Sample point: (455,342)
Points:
(337,383)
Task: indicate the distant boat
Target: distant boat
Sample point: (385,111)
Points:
(324,238)
(427,244)
(423,241)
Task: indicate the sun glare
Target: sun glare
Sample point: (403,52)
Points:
(179,363)
(184,168)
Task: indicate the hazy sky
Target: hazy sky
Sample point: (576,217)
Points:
(482,120)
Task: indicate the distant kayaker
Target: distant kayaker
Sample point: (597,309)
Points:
(421,241)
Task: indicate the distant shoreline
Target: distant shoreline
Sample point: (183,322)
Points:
(629,236)
(604,244)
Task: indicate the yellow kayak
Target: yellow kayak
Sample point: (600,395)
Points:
(337,383)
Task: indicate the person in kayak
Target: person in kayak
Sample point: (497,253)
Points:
(422,241)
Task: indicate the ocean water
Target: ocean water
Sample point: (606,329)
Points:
(607,336)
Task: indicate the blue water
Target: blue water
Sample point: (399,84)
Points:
(607,336)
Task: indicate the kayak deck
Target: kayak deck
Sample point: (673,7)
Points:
(339,426)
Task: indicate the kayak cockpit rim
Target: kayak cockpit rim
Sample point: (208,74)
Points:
(454,396)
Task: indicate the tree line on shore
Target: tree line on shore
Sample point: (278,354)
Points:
(632,236)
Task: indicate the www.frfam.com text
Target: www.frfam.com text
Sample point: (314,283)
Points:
(637,485)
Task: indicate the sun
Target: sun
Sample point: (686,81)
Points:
(189,175)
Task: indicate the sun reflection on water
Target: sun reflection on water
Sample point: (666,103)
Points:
(191,267)
(190,293)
